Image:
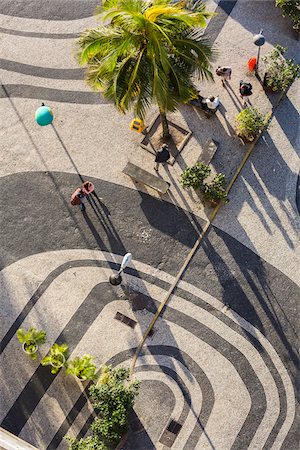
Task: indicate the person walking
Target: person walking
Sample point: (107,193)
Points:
(224,73)
(162,156)
(77,199)
(245,91)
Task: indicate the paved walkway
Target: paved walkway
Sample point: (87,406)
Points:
(224,355)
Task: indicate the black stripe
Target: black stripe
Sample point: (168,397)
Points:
(49,10)
(33,34)
(56,95)
(42,72)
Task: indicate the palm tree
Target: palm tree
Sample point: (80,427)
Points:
(147,51)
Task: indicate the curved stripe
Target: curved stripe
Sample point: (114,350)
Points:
(55,95)
(33,34)
(204,383)
(204,295)
(43,72)
(51,10)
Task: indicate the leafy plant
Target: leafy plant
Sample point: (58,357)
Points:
(194,176)
(89,443)
(112,398)
(280,72)
(31,339)
(216,189)
(82,367)
(291,9)
(147,52)
(249,123)
(56,357)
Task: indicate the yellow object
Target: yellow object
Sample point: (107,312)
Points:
(137,125)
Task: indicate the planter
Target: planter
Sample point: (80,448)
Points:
(296,31)
(265,85)
(33,349)
(246,140)
(59,361)
(211,202)
(122,442)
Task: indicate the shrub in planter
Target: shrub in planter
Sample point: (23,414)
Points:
(81,368)
(291,9)
(215,191)
(56,357)
(89,443)
(194,176)
(113,399)
(280,72)
(31,340)
(249,122)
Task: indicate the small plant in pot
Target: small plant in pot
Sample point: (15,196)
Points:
(194,176)
(31,340)
(82,368)
(56,357)
(215,191)
(249,123)
(280,72)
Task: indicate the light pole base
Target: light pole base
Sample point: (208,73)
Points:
(115,280)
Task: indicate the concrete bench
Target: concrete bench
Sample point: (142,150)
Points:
(209,150)
(142,176)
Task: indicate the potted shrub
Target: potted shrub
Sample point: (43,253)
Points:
(249,123)
(113,399)
(215,191)
(31,340)
(56,357)
(280,72)
(81,368)
(194,176)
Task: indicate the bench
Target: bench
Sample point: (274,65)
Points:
(142,176)
(209,150)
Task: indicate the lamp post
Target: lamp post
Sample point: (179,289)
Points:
(259,41)
(115,280)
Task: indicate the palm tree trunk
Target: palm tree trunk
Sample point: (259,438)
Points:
(164,122)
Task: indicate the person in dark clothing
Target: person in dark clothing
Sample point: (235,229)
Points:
(245,90)
(162,156)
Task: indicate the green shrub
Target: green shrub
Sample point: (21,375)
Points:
(89,443)
(56,357)
(216,189)
(112,398)
(280,72)
(291,9)
(194,176)
(81,367)
(31,339)
(249,123)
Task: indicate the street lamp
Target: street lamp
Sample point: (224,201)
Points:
(115,280)
(259,41)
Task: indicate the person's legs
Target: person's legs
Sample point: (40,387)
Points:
(156,166)
(82,207)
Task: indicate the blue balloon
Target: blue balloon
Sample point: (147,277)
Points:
(43,116)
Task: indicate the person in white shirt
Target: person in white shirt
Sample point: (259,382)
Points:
(212,102)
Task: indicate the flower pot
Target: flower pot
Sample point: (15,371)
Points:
(59,361)
(27,350)
(82,380)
